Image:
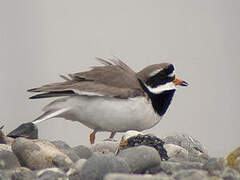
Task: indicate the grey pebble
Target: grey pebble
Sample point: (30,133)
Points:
(8,160)
(196,151)
(51,173)
(4,139)
(83,152)
(65,148)
(230,174)
(187,142)
(60,162)
(171,167)
(119,176)
(176,153)
(74,171)
(20,173)
(36,154)
(140,158)
(190,175)
(105,147)
(214,164)
(97,166)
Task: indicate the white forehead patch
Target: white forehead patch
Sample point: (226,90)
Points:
(130,133)
(161,88)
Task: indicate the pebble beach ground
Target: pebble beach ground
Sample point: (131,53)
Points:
(26,159)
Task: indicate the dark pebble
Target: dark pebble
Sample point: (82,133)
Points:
(27,130)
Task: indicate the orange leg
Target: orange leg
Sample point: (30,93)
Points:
(92,137)
(112,135)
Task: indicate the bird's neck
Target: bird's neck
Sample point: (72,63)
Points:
(161,102)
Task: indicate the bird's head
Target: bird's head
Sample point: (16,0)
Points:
(158,78)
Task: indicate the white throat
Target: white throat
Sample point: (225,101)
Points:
(161,88)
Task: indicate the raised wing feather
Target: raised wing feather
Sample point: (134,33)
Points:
(114,79)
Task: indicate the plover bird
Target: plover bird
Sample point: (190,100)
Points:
(112,97)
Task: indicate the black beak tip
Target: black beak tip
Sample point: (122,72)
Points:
(184,83)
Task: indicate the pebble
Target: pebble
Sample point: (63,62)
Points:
(196,151)
(27,130)
(171,167)
(20,173)
(140,158)
(75,169)
(214,164)
(118,176)
(192,174)
(97,166)
(233,159)
(36,154)
(60,162)
(51,173)
(8,160)
(4,139)
(105,147)
(66,149)
(176,153)
(83,152)
(230,174)
(187,142)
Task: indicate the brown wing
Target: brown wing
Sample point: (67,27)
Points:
(114,79)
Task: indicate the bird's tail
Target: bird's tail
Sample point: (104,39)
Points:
(50,114)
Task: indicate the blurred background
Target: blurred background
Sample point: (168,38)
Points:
(40,40)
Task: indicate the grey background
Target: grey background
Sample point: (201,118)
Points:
(40,40)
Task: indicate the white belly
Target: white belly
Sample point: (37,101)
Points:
(110,114)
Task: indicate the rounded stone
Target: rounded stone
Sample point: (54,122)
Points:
(176,152)
(187,142)
(75,169)
(97,166)
(51,173)
(105,147)
(140,158)
(4,139)
(36,154)
(8,160)
(65,148)
(230,174)
(20,173)
(60,162)
(170,167)
(190,175)
(83,152)
(6,147)
(120,176)
(214,164)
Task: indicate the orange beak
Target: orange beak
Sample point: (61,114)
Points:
(180,82)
